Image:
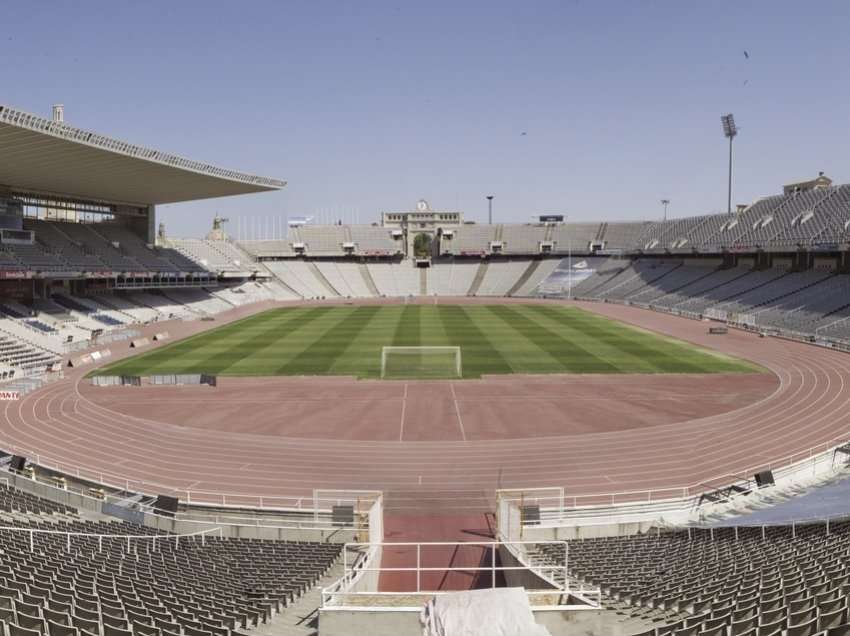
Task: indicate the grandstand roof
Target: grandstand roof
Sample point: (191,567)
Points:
(45,156)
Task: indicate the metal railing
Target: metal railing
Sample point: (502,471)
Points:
(162,538)
(309,513)
(335,594)
(557,508)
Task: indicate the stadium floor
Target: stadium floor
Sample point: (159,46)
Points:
(808,405)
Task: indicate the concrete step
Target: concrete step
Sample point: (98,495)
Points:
(302,617)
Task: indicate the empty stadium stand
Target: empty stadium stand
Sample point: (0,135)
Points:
(784,580)
(216,256)
(65,575)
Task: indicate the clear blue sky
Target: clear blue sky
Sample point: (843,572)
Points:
(368,106)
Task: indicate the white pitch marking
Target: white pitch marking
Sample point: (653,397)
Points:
(457,411)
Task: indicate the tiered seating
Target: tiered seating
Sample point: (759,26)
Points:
(216,256)
(781,580)
(249,292)
(9,262)
(350,272)
(198,301)
(681,277)
(824,224)
(808,308)
(777,288)
(302,273)
(452,279)
(675,234)
(35,258)
(15,500)
(603,273)
(332,274)
(270,248)
(700,288)
(89,310)
(523,239)
(370,239)
(124,581)
(501,276)
(40,326)
(76,256)
(624,235)
(471,238)
(136,312)
(395,279)
(573,237)
(24,348)
(790,216)
(163,305)
(322,240)
(633,278)
(543,271)
(133,246)
(736,286)
(90,241)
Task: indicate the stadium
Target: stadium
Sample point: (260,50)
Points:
(333,430)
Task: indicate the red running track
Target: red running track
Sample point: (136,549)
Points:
(60,425)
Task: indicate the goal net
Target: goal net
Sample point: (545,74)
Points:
(421,362)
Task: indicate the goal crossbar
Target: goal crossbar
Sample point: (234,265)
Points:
(421,361)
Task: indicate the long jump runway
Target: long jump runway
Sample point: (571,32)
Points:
(444,446)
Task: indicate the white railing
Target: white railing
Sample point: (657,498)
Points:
(336,594)
(163,538)
(308,513)
(556,509)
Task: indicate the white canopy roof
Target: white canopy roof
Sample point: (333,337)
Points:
(43,156)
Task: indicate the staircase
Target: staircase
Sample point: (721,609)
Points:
(532,267)
(321,278)
(600,233)
(479,278)
(423,281)
(302,617)
(280,282)
(367,278)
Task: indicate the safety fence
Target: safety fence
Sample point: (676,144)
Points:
(553,507)
(553,592)
(155,540)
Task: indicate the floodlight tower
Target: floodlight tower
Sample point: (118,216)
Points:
(490,209)
(730,131)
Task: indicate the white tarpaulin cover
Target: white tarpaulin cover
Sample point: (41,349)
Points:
(492,612)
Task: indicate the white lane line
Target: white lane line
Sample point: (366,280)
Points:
(403,409)
(457,410)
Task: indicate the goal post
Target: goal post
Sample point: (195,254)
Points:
(421,362)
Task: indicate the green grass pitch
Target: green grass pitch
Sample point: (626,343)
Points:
(494,339)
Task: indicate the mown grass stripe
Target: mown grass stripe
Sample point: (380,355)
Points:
(363,355)
(567,351)
(570,325)
(253,341)
(478,355)
(319,357)
(494,339)
(291,353)
(632,342)
(186,355)
(408,330)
